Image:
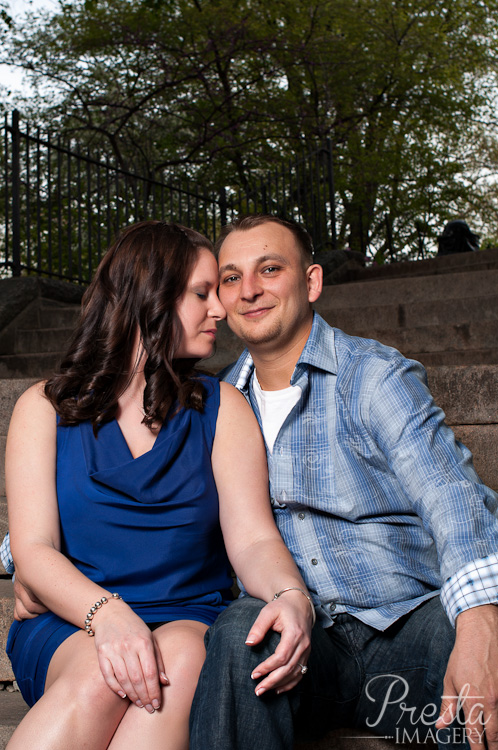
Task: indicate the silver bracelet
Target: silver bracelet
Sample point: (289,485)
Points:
(95,608)
(296,588)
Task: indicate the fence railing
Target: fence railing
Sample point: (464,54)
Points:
(62,204)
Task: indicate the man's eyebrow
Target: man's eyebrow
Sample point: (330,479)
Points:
(228,267)
(258,261)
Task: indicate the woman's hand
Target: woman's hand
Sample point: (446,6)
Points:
(128,655)
(291,616)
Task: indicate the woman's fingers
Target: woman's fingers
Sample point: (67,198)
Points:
(126,648)
(160,663)
(110,678)
(281,677)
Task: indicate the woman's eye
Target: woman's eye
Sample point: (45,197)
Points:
(201,295)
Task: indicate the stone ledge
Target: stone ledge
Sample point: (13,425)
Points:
(468,394)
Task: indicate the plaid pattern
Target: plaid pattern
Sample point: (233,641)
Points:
(365,470)
(475,584)
(5,556)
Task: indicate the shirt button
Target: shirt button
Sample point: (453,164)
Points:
(332,606)
(301,516)
(314,561)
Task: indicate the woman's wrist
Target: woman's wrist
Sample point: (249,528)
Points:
(303,592)
(95,608)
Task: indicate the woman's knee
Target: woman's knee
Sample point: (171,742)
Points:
(75,673)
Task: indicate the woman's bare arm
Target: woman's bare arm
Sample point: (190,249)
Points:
(123,641)
(253,542)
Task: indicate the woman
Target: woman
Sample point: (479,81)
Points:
(114,468)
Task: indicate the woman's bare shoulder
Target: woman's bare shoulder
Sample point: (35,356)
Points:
(34,400)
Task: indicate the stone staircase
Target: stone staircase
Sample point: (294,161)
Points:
(443,312)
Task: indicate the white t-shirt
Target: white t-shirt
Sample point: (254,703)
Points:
(274,406)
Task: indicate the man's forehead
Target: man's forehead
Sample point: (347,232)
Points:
(258,245)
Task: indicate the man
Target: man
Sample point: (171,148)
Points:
(381,509)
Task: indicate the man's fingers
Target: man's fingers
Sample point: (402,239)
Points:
(447,713)
(491,731)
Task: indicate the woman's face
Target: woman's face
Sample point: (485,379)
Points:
(199,309)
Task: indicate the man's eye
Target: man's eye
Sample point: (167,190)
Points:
(228,279)
(271,269)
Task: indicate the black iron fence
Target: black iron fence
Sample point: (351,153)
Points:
(62,205)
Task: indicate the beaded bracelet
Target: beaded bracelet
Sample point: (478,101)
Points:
(295,588)
(94,609)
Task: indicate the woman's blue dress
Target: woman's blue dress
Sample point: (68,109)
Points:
(146,527)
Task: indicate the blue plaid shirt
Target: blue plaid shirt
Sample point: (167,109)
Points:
(376,500)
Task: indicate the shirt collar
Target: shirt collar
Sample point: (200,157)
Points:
(319,352)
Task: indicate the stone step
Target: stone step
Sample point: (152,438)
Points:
(447,338)
(457,358)
(42,340)
(482,260)
(405,291)
(36,366)
(356,320)
(12,710)
(55,316)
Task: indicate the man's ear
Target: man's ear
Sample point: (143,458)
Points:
(314,276)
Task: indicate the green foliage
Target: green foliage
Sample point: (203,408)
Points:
(223,90)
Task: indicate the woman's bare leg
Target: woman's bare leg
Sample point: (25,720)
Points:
(182,648)
(78,710)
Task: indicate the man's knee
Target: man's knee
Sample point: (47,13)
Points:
(226,639)
(234,624)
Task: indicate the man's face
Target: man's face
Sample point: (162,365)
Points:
(265,287)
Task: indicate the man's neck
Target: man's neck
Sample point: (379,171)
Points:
(274,367)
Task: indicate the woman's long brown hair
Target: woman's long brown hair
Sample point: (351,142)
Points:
(136,286)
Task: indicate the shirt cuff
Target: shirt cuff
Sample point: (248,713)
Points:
(472,586)
(5,556)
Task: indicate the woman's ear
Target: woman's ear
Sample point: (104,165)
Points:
(314,276)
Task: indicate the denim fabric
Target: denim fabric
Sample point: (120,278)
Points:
(389,683)
(377,502)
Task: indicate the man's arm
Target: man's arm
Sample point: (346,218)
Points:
(471,680)
(460,513)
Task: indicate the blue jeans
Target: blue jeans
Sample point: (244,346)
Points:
(388,682)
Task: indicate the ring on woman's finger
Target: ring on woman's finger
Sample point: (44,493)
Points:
(303,668)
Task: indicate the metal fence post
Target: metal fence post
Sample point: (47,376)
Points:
(16,195)
(330,175)
(223,206)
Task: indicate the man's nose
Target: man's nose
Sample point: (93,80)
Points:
(250,287)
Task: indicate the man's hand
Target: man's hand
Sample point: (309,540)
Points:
(26,604)
(471,680)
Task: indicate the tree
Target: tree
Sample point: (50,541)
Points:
(224,89)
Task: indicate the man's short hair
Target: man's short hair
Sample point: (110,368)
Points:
(243,223)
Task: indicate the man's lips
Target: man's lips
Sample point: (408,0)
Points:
(255,312)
